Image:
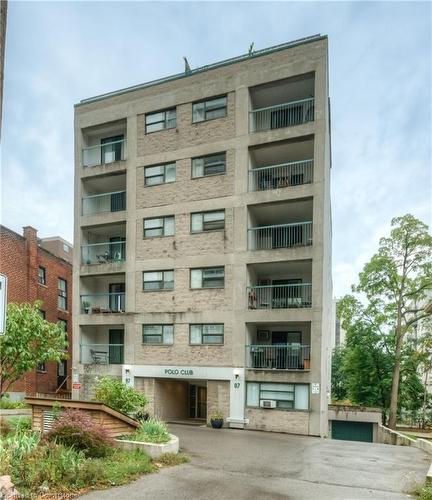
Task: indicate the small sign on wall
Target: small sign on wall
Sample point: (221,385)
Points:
(315,388)
(76,386)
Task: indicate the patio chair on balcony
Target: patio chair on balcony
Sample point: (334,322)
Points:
(99,357)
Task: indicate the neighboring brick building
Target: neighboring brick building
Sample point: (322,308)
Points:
(33,274)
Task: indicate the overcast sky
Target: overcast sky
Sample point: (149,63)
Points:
(380,86)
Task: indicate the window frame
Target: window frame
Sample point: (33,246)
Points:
(203,222)
(205,103)
(162,281)
(163,175)
(260,390)
(41,367)
(163,218)
(203,334)
(43,282)
(202,278)
(62,294)
(163,326)
(204,158)
(164,121)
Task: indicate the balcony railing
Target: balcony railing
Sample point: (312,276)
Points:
(96,303)
(103,203)
(280,236)
(104,153)
(282,115)
(280,176)
(103,253)
(102,354)
(278,357)
(297,295)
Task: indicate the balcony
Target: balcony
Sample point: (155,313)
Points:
(280,296)
(279,176)
(103,253)
(102,354)
(283,103)
(97,303)
(280,236)
(104,153)
(104,203)
(278,357)
(282,115)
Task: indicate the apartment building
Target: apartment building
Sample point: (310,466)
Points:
(203,223)
(35,273)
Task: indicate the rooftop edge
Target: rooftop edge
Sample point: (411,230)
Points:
(208,67)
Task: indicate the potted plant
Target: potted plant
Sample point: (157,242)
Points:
(86,306)
(216,420)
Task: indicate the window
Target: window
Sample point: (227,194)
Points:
(42,313)
(159,174)
(42,275)
(63,325)
(287,396)
(207,221)
(65,248)
(62,294)
(158,334)
(161,226)
(209,165)
(207,277)
(158,280)
(210,109)
(112,149)
(206,334)
(161,120)
(41,367)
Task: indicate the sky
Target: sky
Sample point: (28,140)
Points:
(58,53)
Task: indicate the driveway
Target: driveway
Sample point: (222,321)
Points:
(234,464)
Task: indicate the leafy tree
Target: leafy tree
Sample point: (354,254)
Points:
(119,396)
(338,384)
(395,280)
(28,340)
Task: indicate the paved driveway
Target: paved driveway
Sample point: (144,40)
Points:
(237,465)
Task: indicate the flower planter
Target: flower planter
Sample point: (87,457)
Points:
(152,449)
(216,423)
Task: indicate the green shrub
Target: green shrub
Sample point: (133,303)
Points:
(20,423)
(119,396)
(7,404)
(14,446)
(49,464)
(75,428)
(151,431)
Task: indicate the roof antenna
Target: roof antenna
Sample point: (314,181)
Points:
(187,67)
(251,47)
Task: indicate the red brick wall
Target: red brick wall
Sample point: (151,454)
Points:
(20,258)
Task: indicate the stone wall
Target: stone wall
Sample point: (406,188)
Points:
(218,399)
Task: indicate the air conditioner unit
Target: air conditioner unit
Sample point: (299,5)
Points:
(268,403)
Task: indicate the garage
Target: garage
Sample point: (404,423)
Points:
(352,431)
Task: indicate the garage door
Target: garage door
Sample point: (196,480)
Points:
(352,431)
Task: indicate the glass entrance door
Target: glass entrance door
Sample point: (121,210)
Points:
(197,401)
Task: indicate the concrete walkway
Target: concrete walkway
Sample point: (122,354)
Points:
(237,465)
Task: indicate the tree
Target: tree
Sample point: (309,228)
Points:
(119,396)
(338,382)
(395,280)
(28,340)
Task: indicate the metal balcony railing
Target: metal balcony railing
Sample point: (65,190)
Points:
(278,357)
(103,203)
(104,153)
(280,296)
(279,176)
(280,236)
(96,303)
(103,253)
(282,115)
(102,354)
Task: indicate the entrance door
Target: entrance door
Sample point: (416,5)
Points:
(116,340)
(117,297)
(117,248)
(111,152)
(197,401)
(61,373)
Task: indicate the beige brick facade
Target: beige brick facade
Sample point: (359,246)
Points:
(264,86)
